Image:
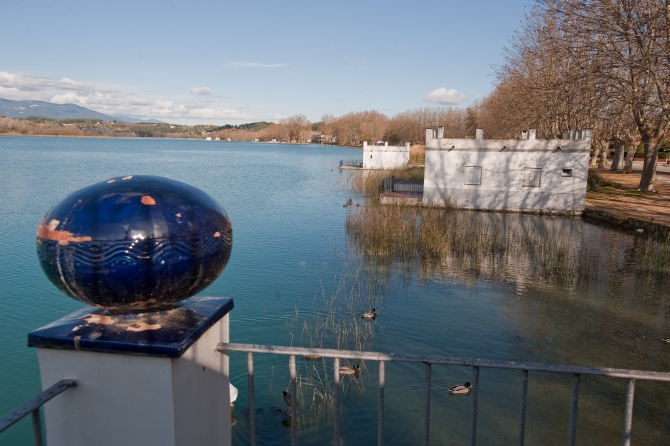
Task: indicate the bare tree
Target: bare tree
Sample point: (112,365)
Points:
(625,44)
(295,128)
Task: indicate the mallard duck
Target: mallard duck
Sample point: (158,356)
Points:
(348,370)
(460,389)
(370,314)
(287,399)
(312,357)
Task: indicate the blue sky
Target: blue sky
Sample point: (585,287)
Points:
(233,62)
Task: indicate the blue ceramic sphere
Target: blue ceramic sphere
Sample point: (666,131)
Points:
(134,243)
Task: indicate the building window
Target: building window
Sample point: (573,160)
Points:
(473,175)
(567,173)
(532,177)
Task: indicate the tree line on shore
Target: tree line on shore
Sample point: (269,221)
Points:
(95,127)
(354,128)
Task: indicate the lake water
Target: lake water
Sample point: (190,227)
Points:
(297,279)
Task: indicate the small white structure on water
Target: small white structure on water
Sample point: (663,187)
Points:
(384,157)
(522,175)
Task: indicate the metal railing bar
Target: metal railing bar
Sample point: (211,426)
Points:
(252,400)
(475,399)
(394,357)
(37,427)
(336,399)
(294,400)
(380,419)
(14,416)
(573,410)
(522,420)
(426,415)
(628,412)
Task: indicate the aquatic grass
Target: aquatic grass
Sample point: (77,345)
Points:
(335,322)
(417,155)
(397,235)
(369,183)
(652,253)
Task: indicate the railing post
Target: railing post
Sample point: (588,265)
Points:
(522,420)
(294,401)
(37,427)
(380,421)
(426,416)
(252,403)
(628,412)
(336,399)
(573,410)
(475,395)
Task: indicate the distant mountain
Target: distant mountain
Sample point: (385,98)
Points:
(125,118)
(23,109)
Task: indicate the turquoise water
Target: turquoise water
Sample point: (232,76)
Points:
(293,269)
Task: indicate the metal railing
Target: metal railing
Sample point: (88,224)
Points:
(393,185)
(476,364)
(351,163)
(33,407)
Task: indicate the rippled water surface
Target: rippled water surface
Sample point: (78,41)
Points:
(298,279)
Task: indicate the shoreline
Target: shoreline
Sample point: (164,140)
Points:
(629,209)
(168,138)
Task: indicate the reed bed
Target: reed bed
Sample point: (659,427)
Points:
(335,322)
(369,183)
(417,155)
(545,249)
(652,254)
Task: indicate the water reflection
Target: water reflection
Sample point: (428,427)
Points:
(581,294)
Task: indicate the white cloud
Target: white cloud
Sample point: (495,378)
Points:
(255,65)
(201,90)
(111,101)
(367,86)
(445,97)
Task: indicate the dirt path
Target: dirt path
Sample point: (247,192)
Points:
(630,208)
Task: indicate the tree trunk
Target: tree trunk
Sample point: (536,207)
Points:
(599,151)
(595,155)
(618,151)
(650,161)
(628,162)
(603,156)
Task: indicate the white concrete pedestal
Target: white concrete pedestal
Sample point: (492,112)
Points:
(128,399)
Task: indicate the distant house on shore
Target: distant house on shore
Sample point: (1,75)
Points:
(384,156)
(525,175)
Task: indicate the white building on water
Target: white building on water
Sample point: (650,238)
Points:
(385,157)
(523,175)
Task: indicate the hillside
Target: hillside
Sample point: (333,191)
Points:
(41,109)
(23,109)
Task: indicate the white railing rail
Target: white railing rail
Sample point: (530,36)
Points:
(382,358)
